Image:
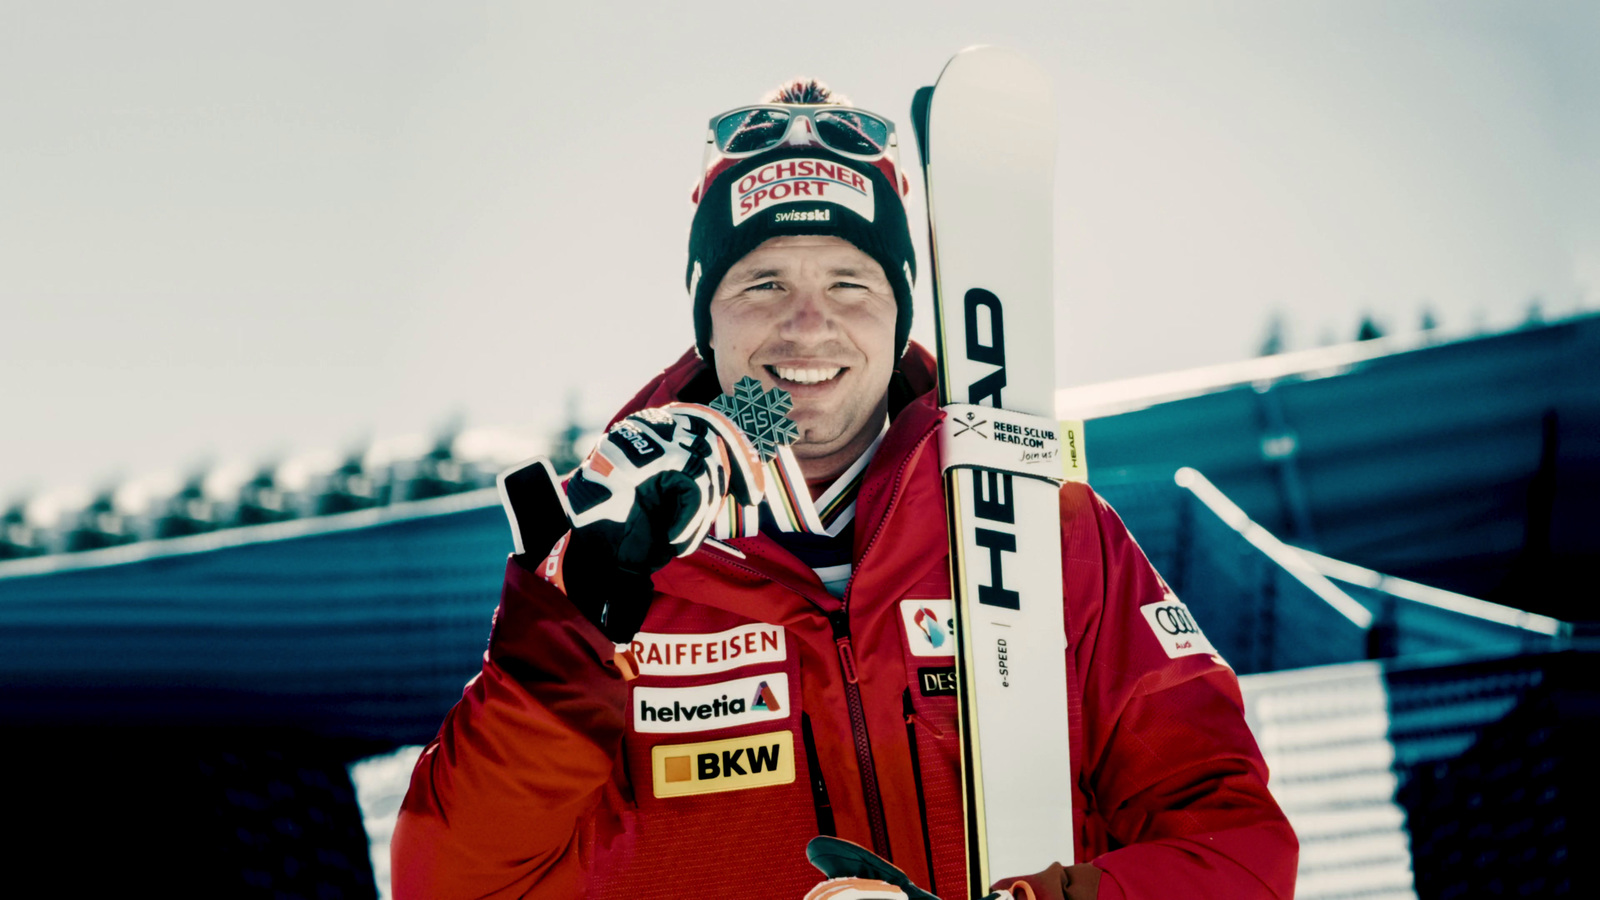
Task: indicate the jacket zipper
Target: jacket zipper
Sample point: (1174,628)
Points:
(858,729)
(840,620)
(916,774)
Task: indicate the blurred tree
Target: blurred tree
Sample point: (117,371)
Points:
(565,452)
(18,537)
(1369,330)
(1535,314)
(439,472)
(262,500)
(1276,340)
(189,511)
(100,524)
(350,487)
(1429,326)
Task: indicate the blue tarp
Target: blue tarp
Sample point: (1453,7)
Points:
(360,632)
(1472,466)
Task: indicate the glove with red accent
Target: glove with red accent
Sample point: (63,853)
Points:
(649,491)
(856,873)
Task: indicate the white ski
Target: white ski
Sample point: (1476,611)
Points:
(987,134)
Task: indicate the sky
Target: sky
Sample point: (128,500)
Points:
(231,231)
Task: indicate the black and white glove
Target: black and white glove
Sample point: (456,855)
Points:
(855,873)
(649,491)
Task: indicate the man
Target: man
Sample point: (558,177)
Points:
(723,658)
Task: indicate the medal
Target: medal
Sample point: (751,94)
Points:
(760,414)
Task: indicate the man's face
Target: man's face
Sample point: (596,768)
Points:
(815,316)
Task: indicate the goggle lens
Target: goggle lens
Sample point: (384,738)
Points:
(752,130)
(851,131)
(843,129)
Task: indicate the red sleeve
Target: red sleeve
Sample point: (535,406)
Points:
(1169,764)
(496,799)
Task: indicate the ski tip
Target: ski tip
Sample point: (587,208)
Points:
(987,64)
(986,52)
(996,84)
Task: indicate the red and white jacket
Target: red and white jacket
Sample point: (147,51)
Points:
(766,710)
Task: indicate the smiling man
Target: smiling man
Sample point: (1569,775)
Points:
(702,660)
(814,315)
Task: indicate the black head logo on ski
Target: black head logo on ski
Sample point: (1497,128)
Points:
(992,501)
(981,302)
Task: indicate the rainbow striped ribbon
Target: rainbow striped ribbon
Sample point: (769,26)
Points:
(790,501)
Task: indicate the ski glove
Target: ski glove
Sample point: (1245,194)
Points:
(649,491)
(856,873)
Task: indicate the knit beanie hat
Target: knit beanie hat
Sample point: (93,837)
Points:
(792,190)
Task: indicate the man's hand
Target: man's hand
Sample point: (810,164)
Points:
(856,873)
(656,481)
(649,491)
(1058,882)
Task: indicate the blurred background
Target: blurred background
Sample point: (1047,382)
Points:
(282,287)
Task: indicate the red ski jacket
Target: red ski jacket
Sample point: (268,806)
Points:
(765,710)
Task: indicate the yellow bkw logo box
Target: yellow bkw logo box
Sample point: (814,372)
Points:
(733,764)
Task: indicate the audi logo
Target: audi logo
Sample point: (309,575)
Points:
(1176,620)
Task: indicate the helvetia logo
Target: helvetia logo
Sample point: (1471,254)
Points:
(678,712)
(734,764)
(765,699)
(675,710)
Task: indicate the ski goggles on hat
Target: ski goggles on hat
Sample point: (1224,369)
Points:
(846,130)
